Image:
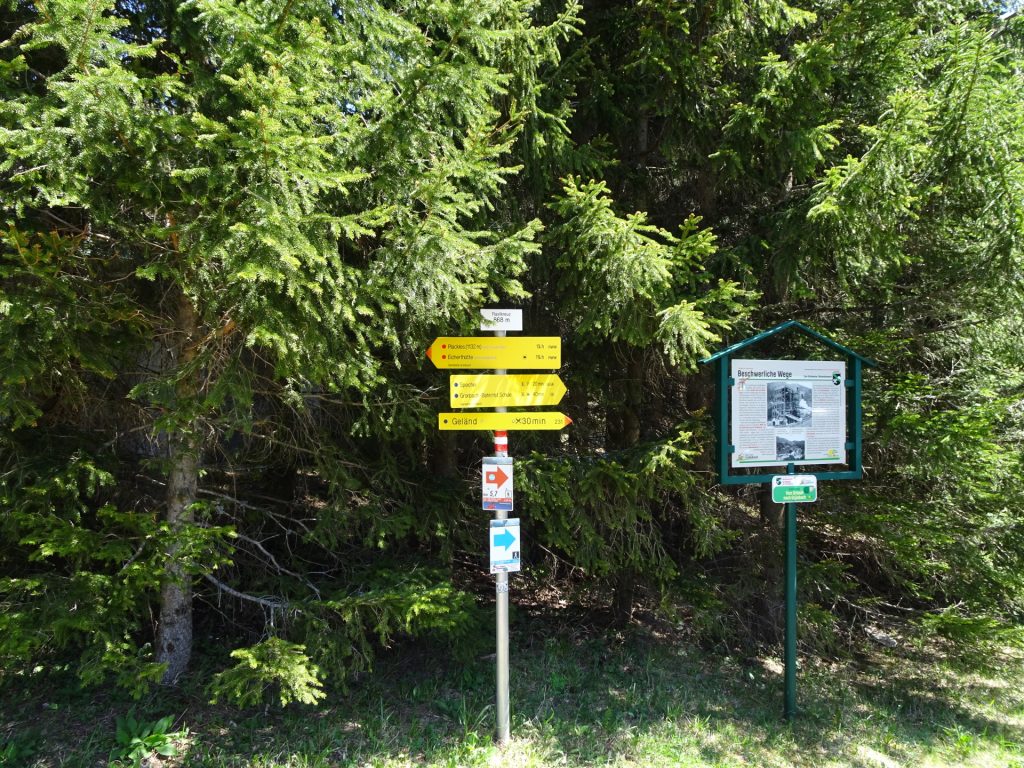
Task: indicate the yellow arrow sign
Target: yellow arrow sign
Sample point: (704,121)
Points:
(530,352)
(487,391)
(503,421)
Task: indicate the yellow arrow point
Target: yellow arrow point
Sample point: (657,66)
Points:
(489,352)
(560,389)
(490,391)
(522,420)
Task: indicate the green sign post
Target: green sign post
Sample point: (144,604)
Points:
(789,413)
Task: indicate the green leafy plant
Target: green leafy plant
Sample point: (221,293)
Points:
(18,749)
(137,739)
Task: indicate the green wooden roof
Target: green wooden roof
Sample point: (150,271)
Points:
(785,327)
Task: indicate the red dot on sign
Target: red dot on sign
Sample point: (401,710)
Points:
(444,357)
(444,346)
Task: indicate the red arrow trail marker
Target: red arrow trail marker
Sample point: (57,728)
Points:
(497,477)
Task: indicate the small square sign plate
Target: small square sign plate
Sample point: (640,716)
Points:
(794,489)
(501,319)
(504,545)
(496,483)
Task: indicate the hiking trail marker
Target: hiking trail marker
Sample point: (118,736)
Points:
(505,545)
(531,420)
(499,390)
(489,391)
(794,489)
(501,319)
(496,482)
(789,413)
(522,352)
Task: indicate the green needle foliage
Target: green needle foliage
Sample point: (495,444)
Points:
(626,280)
(220,209)
(273,663)
(859,166)
(230,228)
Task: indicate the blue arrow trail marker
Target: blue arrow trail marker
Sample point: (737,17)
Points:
(505,545)
(504,539)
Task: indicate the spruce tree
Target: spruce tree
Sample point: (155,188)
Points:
(218,202)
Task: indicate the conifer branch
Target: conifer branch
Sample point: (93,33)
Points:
(269,602)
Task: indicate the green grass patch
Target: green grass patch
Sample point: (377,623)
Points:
(578,699)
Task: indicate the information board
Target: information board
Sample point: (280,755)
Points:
(788,412)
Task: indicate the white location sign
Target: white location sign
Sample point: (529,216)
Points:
(788,412)
(501,319)
(496,483)
(505,545)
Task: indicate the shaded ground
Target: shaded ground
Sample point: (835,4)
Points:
(579,698)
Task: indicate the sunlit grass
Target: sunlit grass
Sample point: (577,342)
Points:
(578,700)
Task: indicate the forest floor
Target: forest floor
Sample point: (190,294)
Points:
(580,697)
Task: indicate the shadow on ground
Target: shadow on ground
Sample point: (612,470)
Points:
(581,697)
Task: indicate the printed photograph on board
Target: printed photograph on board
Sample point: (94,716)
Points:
(790,447)
(789,405)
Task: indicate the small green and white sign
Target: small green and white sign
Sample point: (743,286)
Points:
(794,489)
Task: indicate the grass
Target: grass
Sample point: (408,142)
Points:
(578,699)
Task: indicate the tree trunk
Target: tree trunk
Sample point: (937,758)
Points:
(700,397)
(769,608)
(444,456)
(771,514)
(174,631)
(707,195)
(626,434)
(623,596)
(174,634)
(627,394)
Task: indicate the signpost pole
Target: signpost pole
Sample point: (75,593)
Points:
(790,577)
(501,587)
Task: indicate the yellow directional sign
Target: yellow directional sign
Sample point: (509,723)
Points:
(503,421)
(488,391)
(530,352)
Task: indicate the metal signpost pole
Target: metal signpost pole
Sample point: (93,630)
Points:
(498,353)
(501,587)
(790,576)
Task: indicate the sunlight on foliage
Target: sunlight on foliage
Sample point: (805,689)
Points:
(273,668)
